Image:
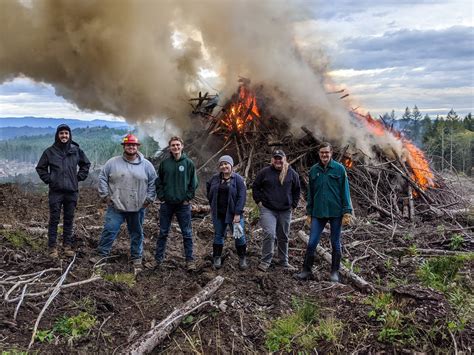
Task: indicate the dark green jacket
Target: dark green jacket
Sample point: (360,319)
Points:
(177,180)
(328,191)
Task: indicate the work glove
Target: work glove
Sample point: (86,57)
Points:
(347,219)
(238,231)
(236,219)
(308,221)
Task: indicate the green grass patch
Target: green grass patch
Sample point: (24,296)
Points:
(396,327)
(121,278)
(442,274)
(72,328)
(19,239)
(302,329)
(457,241)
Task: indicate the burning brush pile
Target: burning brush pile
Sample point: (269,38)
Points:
(393,185)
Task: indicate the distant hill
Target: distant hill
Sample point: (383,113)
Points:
(11,127)
(45,122)
(13,132)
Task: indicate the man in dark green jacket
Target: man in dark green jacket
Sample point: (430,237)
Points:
(175,187)
(328,200)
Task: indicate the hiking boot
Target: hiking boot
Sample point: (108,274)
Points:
(335,277)
(191,265)
(241,252)
(137,266)
(68,251)
(53,253)
(287,266)
(263,266)
(153,265)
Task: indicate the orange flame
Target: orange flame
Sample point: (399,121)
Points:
(242,111)
(348,163)
(421,172)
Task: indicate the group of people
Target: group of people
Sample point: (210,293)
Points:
(128,184)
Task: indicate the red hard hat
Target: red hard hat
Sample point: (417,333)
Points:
(130,139)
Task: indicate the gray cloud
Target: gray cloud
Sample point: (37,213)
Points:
(414,48)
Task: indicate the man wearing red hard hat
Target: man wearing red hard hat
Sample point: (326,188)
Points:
(127,185)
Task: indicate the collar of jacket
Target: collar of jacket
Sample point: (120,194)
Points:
(232,175)
(331,165)
(134,161)
(182,157)
(70,146)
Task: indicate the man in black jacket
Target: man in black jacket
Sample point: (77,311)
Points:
(276,190)
(57,168)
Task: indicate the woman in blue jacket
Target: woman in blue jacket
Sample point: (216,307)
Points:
(227,193)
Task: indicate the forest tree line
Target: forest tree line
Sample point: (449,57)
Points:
(448,141)
(99,144)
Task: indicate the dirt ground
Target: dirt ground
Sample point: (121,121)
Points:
(243,308)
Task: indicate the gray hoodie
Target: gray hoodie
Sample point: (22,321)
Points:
(128,184)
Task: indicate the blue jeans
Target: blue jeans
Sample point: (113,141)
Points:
(113,220)
(183,214)
(220,229)
(317,226)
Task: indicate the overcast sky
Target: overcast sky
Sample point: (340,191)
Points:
(386,54)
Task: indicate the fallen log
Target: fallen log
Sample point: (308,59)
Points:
(402,251)
(357,280)
(149,341)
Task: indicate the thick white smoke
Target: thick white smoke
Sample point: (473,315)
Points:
(121,57)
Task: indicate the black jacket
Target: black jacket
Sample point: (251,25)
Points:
(268,190)
(57,167)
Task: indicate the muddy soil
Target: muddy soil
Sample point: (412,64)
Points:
(244,306)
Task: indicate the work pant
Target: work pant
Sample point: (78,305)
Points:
(61,200)
(276,226)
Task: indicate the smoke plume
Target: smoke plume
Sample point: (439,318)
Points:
(140,59)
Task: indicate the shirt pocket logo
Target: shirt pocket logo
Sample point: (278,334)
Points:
(181,168)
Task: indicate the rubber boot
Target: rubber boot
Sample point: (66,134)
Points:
(307,273)
(216,255)
(335,265)
(242,253)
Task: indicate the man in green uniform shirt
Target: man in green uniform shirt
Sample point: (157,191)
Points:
(328,200)
(175,187)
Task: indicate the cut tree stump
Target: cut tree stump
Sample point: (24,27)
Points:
(149,341)
(357,280)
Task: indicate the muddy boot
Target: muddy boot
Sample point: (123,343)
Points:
(53,253)
(242,253)
(216,255)
(335,265)
(68,251)
(307,273)
(191,265)
(137,266)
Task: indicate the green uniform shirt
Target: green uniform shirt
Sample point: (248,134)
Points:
(328,191)
(177,180)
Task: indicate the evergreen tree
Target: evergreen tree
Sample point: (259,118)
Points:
(407,115)
(415,126)
(468,122)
